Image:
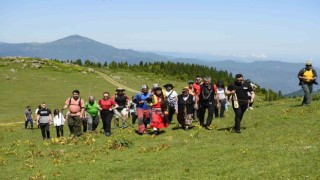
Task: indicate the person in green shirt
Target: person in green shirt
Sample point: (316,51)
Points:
(92,114)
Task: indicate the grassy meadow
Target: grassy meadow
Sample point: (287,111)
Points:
(279,140)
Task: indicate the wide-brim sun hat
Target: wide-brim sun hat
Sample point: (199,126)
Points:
(167,85)
(120,89)
(158,88)
(185,89)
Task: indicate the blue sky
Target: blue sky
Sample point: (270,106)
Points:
(286,30)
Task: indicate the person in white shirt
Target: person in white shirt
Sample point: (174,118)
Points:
(172,97)
(221,91)
(253,87)
(58,122)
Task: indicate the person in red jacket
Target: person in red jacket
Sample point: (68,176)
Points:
(107,105)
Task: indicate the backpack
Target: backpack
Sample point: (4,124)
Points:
(78,101)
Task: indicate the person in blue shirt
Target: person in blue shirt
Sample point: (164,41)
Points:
(143,109)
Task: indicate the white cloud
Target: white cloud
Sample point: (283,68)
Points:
(262,56)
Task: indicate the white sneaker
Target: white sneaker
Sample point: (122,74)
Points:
(251,108)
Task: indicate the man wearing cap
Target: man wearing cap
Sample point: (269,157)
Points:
(143,109)
(172,100)
(123,107)
(307,77)
(186,106)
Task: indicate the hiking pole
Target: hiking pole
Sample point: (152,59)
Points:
(124,121)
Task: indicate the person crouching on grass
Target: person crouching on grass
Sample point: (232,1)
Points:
(239,91)
(159,111)
(58,122)
(44,119)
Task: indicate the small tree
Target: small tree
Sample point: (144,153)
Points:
(78,62)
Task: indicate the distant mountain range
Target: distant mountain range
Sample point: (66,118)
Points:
(276,75)
(76,47)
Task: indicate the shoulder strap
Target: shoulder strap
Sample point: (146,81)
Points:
(79,101)
(69,101)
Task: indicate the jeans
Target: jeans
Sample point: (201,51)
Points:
(307,89)
(202,110)
(222,108)
(26,123)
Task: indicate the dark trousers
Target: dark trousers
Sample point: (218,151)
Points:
(239,112)
(59,130)
(26,123)
(170,114)
(134,117)
(106,117)
(202,110)
(85,125)
(45,130)
(74,123)
(222,108)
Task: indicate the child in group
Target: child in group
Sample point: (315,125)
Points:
(58,122)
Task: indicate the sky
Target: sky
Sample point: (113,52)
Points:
(285,30)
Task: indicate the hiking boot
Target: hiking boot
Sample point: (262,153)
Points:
(238,131)
(108,134)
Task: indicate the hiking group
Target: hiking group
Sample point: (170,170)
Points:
(154,107)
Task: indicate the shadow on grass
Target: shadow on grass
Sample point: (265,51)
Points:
(231,128)
(150,132)
(181,128)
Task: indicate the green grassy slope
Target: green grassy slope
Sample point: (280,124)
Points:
(54,82)
(279,140)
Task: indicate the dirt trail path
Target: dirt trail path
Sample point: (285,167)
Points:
(112,81)
(104,76)
(10,123)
